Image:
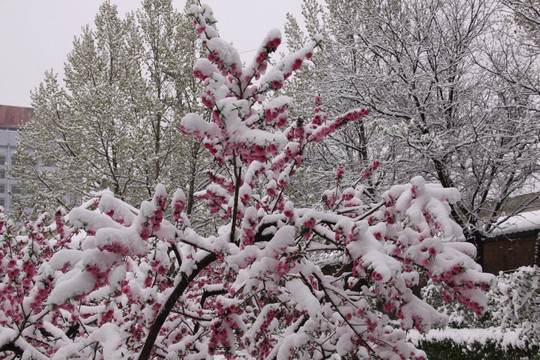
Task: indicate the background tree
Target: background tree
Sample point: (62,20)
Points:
(127,84)
(514,53)
(435,111)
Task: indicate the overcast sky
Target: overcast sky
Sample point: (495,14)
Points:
(36,35)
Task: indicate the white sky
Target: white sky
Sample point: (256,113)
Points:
(36,35)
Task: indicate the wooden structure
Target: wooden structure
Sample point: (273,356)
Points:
(514,244)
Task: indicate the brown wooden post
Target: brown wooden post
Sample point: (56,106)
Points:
(537,251)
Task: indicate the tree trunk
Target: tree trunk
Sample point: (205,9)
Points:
(537,251)
(169,304)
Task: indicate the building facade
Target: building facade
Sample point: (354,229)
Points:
(11,119)
(515,243)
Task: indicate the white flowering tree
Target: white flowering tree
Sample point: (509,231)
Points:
(115,118)
(111,281)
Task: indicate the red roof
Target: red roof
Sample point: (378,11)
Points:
(13,117)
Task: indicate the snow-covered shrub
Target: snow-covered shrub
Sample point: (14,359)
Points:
(115,282)
(510,326)
(516,302)
(476,349)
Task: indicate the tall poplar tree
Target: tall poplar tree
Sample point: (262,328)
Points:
(115,123)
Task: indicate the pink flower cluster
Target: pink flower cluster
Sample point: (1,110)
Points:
(257,152)
(340,171)
(26,289)
(116,248)
(214,200)
(277,116)
(222,329)
(60,225)
(273,44)
(249,225)
(151,223)
(179,204)
(320,127)
(263,342)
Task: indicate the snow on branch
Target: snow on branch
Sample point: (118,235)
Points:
(271,280)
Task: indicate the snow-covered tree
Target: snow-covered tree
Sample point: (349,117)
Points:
(275,280)
(127,85)
(516,56)
(527,16)
(435,110)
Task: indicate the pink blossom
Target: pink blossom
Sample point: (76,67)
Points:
(310,223)
(145,233)
(277,84)
(297,64)
(348,195)
(282,121)
(212,57)
(340,171)
(199,75)
(457,269)
(388,307)
(261,57)
(273,44)
(365,174)
(376,276)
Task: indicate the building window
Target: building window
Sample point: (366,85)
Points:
(2,202)
(15,190)
(2,188)
(2,159)
(2,174)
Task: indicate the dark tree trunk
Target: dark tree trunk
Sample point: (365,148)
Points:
(169,305)
(537,251)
